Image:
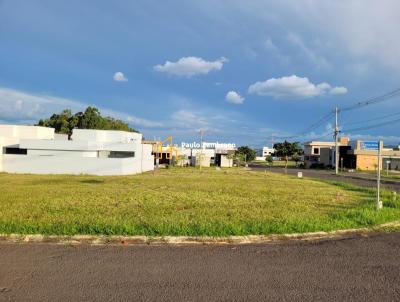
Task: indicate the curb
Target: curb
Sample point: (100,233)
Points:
(190,240)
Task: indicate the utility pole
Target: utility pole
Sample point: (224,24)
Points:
(335,135)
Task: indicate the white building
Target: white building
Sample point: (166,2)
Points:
(37,150)
(264,152)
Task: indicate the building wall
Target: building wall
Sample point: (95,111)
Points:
(201,158)
(326,157)
(394,164)
(105,135)
(75,165)
(367,162)
(225,162)
(26,132)
(45,155)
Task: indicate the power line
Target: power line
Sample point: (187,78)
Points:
(367,102)
(374,126)
(314,126)
(372,119)
(373,100)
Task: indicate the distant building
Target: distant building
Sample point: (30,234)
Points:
(264,152)
(358,158)
(37,150)
(220,155)
(321,153)
(351,155)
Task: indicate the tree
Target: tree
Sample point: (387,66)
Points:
(246,153)
(91,118)
(63,123)
(296,158)
(269,159)
(286,150)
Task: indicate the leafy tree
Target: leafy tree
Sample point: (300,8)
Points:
(269,159)
(296,158)
(91,118)
(287,149)
(246,153)
(63,123)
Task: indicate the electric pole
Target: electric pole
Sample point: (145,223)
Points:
(335,135)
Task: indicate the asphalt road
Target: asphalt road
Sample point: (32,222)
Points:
(351,269)
(356,178)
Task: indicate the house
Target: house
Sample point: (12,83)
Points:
(37,150)
(264,152)
(359,158)
(193,154)
(322,153)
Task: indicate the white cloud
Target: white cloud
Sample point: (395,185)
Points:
(234,97)
(119,77)
(338,90)
(188,119)
(23,107)
(190,66)
(293,87)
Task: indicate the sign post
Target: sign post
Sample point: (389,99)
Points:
(375,146)
(378,185)
(387,167)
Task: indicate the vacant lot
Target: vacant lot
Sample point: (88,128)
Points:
(183,201)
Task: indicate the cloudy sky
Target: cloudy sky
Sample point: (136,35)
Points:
(245,71)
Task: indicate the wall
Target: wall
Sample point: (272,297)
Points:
(367,162)
(63,153)
(77,145)
(75,165)
(201,158)
(6,141)
(225,162)
(105,135)
(26,132)
(325,157)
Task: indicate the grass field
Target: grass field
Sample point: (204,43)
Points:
(184,201)
(276,163)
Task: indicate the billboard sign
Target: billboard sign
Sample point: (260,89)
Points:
(370,145)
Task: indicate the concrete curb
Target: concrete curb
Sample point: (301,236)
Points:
(188,240)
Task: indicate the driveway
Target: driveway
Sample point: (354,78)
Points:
(350,269)
(356,178)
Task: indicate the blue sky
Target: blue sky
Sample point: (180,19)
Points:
(244,71)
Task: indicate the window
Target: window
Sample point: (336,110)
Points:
(121,154)
(16,151)
(316,151)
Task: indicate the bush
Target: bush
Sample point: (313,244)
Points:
(317,166)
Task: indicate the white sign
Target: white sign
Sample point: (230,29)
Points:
(207,145)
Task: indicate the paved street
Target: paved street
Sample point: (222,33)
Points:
(351,269)
(356,178)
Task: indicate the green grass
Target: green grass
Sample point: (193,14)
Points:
(184,201)
(276,163)
(395,175)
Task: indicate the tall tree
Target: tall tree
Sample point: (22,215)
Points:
(91,118)
(63,123)
(246,153)
(286,150)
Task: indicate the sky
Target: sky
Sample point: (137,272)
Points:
(246,72)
